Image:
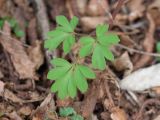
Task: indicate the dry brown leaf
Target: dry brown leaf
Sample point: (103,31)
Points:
(97,7)
(21,61)
(90,23)
(136,9)
(25,110)
(8,95)
(1,87)
(1,74)
(157,118)
(36,54)
(118,114)
(46,109)
(123,63)
(81,6)
(14,116)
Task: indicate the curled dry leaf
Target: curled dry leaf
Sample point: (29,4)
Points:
(97,7)
(142,79)
(25,110)
(148,44)
(35,54)
(90,23)
(118,114)
(123,63)
(21,61)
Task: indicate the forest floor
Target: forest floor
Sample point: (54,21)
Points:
(24,88)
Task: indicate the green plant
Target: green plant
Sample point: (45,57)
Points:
(72,76)
(70,112)
(13,24)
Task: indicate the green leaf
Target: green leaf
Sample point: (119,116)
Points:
(87,72)
(68,43)
(59,62)
(66,111)
(74,22)
(98,60)
(80,81)
(1,23)
(18,32)
(13,23)
(53,43)
(158,47)
(62,20)
(72,90)
(86,40)
(101,30)
(57,72)
(108,39)
(107,53)
(86,50)
(76,117)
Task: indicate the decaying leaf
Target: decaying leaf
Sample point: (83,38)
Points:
(123,63)
(1,88)
(35,54)
(21,61)
(142,79)
(90,23)
(97,7)
(81,6)
(118,114)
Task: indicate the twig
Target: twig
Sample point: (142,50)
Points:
(138,51)
(117,9)
(44,25)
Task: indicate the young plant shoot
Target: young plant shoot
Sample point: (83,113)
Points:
(70,77)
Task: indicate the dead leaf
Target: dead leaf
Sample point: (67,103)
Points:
(90,23)
(14,116)
(44,110)
(157,118)
(8,95)
(1,74)
(97,7)
(36,54)
(142,79)
(81,6)
(136,9)
(123,63)
(1,87)
(21,61)
(118,114)
(25,110)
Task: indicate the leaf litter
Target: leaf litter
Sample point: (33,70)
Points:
(23,59)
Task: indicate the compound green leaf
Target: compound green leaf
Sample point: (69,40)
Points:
(62,20)
(67,44)
(107,53)
(101,30)
(87,72)
(57,73)
(59,62)
(86,50)
(108,39)
(72,90)
(66,111)
(77,117)
(80,81)
(54,42)
(86,40)
(74,22)
(98,60)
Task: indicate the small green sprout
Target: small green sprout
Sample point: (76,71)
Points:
(70,77)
